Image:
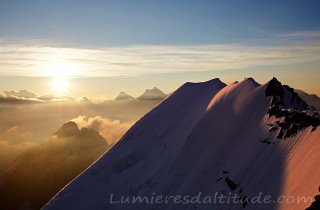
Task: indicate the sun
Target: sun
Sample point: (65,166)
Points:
(60,74)
(60,84)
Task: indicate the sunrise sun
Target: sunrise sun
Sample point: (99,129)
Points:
(60,84)
(60,73)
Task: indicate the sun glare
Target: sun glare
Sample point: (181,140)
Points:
(63,69)
(60,84)
(59,74)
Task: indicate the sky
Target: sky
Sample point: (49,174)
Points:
(100,47)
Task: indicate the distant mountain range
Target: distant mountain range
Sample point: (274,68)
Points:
(149,94)
(311,99)
(241,141)
(24,96)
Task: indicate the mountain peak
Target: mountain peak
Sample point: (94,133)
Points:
(67,129)
(311,99)
(251,81)
(207,150)
(155,89)
(84,100)
(152,94)
(215,80)
(212,82)
(284,96)
(123,96)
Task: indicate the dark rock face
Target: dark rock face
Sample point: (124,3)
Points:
(316,203)
(231,184)
(244,200)
(285,103)
(283,95)
(266,141)
(274,89)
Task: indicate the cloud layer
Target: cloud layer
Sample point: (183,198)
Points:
(39,60)
(8,152)
(52,164)
(112,131)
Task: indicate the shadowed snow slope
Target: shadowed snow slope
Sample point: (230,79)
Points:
(208,139)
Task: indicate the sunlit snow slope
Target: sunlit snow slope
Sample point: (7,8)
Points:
(244,140)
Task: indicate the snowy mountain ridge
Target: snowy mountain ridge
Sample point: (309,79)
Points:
(242,140)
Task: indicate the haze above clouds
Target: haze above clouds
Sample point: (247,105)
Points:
(28,122)
(53,141)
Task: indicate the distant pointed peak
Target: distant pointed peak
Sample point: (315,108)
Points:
(70,124)
(67,129)
(154,89)
(123,96)
(83,99)
(152,94)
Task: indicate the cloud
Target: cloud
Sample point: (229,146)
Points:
(25,97)
(4,98)
(57,154)
(33,60)
(8,152)
(112,131)
(14,140)
(14,135)
(20,94)
(100,99)
(52,164)
(303,34)
(47,97)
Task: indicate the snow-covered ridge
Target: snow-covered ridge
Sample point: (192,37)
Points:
(209,138)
